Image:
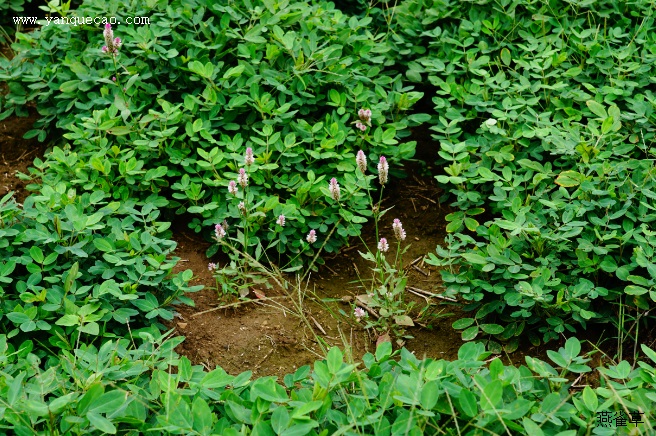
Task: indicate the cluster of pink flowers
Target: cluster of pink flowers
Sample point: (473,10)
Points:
(242,176)
(111,44)
(359,313)
(383,246)
(281,221)
(211,266)
(365,119)
(312,237)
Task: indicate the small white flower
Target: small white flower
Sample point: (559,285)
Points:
(242,208)
(211,266)
(383,246)
(490,122)
(312,237)
(359,313)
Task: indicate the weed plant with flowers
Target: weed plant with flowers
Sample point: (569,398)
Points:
(385,290)
(245,249)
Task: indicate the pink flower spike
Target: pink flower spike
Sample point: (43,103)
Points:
(383,168)
(211,266)
(312,237)
(281,221)
(219,232)
(383,246)
(359,313)
(242,178)
(361,161)
(111,44)
(334,189)
(232,187)
(398,230)
(248,157)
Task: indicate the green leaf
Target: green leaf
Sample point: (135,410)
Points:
(430,394)
(607,125)
(463,323)
(635,290)
(102,244)
(505,56)
(234,71)
(474,258)
(108,402)
(119,130)
(91,328)
(454,226)
(383,351)
(470,333)
(471,224)
(202,416)
(101,423)
(404,320)
(530,427)
(280,419)
(468,403)
(37,254)
(491,395)
(335,360)
(492,329)
(15,388)
(597,109)
(569,179)
(590,399)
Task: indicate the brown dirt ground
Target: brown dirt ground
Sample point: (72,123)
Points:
(16,153)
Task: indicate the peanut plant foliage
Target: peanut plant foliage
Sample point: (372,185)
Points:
(273,125)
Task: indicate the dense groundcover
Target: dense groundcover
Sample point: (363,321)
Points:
(247,119)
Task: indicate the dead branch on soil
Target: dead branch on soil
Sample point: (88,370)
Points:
(430,294)
(238,303)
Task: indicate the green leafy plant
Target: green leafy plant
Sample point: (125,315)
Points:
(535,132)
(74,265)
(280,78)
(393,393)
